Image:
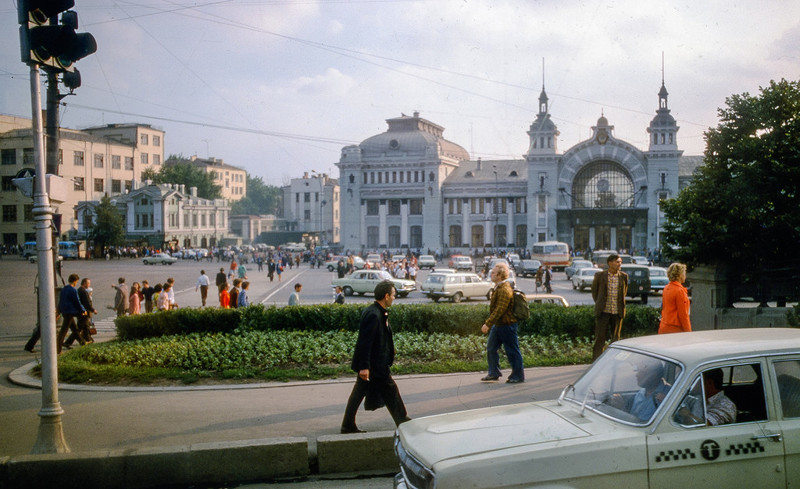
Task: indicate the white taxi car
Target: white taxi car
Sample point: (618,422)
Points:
(455,286)
(364,281)
(704,409)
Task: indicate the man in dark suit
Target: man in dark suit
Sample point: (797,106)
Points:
(372,359)
(609,289)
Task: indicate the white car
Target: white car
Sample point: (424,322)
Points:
(554,299)
(364,281)
(455,286)
(583,278)
(426,261)
(716,409)
(162,258)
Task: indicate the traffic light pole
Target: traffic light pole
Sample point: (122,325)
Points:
(50,437)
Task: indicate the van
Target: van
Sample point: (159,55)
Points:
(638,280)
(68,250)
(29,249)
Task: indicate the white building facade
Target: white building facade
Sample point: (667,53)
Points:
(311,205)
(410,187)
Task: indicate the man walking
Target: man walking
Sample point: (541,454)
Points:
(148,292)
(502,328)
(84,321)
(69,304)
(202,284)
(294,298)
(372,359)
(609,289)
(122,297)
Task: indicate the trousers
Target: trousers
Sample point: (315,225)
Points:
(387,389)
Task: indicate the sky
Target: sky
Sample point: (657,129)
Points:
(279,87)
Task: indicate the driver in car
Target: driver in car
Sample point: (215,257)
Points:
(650,377)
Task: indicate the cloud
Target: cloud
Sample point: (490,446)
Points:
(332,82)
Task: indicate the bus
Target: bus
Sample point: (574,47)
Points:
(68,250)
(553,253)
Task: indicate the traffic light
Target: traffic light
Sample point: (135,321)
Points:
(46,41)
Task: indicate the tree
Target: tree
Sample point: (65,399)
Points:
(260,198)
(175,170)
(741,209)
(109,228)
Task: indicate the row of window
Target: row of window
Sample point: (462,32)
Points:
(478,237)
(480,205)
(8,156)
(393,206)
(408,176)
(307,197)
(78,159)
(10,213)
(145,138)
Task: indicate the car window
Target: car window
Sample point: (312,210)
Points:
(787,374)
(625,386)
(740,397)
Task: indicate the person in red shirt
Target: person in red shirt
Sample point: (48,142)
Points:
(675,302)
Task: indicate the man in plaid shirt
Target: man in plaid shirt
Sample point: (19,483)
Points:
(502,328)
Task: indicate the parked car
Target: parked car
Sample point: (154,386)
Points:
(592,437)
(575,266)
(461,262)
(600,258)
(34,258)
(162,258)
(583,278)
(658,279)
(548,299)
(426,261)
(640,260)
(527,268)
(513,259)
(638,281)
(364,281)
(358,262)
(398,258)
(455,286)
(374,260)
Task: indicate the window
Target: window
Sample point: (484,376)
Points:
(156,140)
(116,186)
(455,236)
(77,158)
(116,162)
(98,160)
(156,159)
(143,139)
(415,207)
(372,208)
(143,158)
(477,236)
(8,184)
(27,212)
(79,183)
(9,239)
(415,236)
(307,215)
(372,237)
(98,185)
(9,157)
(521,237)
(602,184)
(394,236)
(394,208)
(27,157)
(307,197)
(9,213)
(788,375)
(128,185)
(129,162)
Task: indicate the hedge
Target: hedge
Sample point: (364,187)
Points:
(460,319)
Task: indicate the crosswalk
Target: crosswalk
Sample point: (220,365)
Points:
(105,325)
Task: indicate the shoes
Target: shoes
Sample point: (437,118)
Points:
(514,381)
(490,378)
(347,431)
(66,347)
(30,350)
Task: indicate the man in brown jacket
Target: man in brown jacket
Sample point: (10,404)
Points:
(609,289)
(502,328)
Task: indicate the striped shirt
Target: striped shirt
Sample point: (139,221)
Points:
(611,306)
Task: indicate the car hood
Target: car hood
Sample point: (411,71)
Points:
(438,438)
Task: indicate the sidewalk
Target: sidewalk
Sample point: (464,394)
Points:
(129,418)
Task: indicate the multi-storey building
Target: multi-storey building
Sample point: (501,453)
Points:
(164,216)
(232,180)
(410,187)
(104,160)
(311,205)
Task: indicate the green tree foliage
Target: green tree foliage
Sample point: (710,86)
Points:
(178,170)
(741,209)
(260,198)
(109,228)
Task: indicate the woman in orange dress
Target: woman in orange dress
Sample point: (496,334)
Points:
(224,296)
(675,302)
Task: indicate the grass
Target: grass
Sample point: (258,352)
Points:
(258,356)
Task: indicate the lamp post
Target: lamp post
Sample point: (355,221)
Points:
(322,220)
(496,207)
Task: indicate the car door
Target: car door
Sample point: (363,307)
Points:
(685,452)
(787,391)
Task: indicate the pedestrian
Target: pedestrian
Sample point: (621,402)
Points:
(339,296)
(538,278)
(147,293)
(279,270)
(243,300)
(232,271)
(502,328)
(171,293)
(675,302)
(221,278)
(548,277)
(122,298)
(224,296)
(372,360)
(241,272)
(135,301)
(260,263)
(70,307)
(294,298)
(271,269)
(163,297)
(609,289)
(234,293)
(202,284)
(84,321)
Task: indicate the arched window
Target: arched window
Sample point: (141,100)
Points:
(455,236)
(477,236)
(602,184)
(415,237)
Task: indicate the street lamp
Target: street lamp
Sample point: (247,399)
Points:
(322,220)
(496,206)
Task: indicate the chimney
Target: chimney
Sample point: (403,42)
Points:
(479,163)
(182,188)
(193,191)
(305,174)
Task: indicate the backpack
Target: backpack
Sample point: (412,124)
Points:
(519,306)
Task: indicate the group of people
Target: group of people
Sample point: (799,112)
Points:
(235,296)
(129,300)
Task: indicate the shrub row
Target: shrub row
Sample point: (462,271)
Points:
(460,319)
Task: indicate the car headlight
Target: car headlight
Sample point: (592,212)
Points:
(416,475)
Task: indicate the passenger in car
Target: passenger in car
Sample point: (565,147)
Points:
(719,409)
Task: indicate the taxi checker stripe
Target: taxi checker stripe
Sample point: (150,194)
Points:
(672,455)
(744,448)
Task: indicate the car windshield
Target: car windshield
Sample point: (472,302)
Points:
(384,275)
(658,272)
(626,386)
(435,278)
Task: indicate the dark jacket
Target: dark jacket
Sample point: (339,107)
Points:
(69,302)
(600,289)
(86,300)
(375,345)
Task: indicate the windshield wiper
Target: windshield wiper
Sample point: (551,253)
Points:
(567,388)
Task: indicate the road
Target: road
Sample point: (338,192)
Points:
(18,299)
